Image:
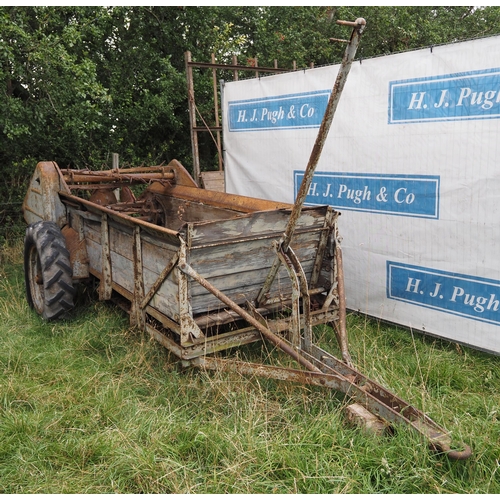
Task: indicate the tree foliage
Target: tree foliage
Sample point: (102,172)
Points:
(78,83)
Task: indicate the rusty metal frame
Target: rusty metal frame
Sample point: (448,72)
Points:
(369,394)
(194,348)
(324,370)
(190,64)
(264,330)
(294,331)
(194,342)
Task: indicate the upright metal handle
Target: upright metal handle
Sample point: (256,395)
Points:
(350,52)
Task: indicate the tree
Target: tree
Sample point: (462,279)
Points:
(79,83)
(395,29)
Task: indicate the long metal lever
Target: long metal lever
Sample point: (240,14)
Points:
(350,52)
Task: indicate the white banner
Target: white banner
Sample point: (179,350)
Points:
(411,161)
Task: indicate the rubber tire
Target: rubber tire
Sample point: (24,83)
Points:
(48,274)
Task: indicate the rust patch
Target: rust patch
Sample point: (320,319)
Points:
(104,197)
(77,253)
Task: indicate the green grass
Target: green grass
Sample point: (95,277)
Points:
(92,406)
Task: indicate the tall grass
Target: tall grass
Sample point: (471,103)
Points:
(92,406)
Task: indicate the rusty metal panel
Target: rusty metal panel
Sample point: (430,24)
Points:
(42,201)
(178,212)
(243,204)
(78,256)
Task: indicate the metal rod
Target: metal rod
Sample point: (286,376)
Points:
(192,118)
(216,111)
(306,300)
(331,107)
(236,67)
(95,177)
(273,338)
(366,392)
(341,324)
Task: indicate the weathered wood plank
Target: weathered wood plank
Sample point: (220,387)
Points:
(234,253)
(166,300)
(239,270)
(240,287)
(94,252)
(156,253)
(179,211)
(247,256)
(253,225)
(213,181)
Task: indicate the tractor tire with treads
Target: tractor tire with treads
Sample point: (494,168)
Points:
(47,271)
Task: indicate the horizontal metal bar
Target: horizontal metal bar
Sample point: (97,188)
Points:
(237,67)
(96,187)
(95,177)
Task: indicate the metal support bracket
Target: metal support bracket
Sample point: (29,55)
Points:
(106,284)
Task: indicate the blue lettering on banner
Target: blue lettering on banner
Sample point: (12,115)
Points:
(404,195)
(290,111)
(472,95)
(468,296)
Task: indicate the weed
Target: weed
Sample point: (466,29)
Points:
(91,406)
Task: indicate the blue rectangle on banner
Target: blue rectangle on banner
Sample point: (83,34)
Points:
(472,95)
(404,195)
(290,111)
(468,296)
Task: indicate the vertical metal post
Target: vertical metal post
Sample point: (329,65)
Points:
(222,84)
(192,119)
(216,106)
(106,284)
(137,314)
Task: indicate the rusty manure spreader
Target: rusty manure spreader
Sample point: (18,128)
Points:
(204,271)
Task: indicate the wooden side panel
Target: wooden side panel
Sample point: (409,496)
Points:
(155,255)
(240,263)
(234,255)
(255,225)
(249,255)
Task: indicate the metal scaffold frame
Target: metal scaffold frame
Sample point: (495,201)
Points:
(194,111)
